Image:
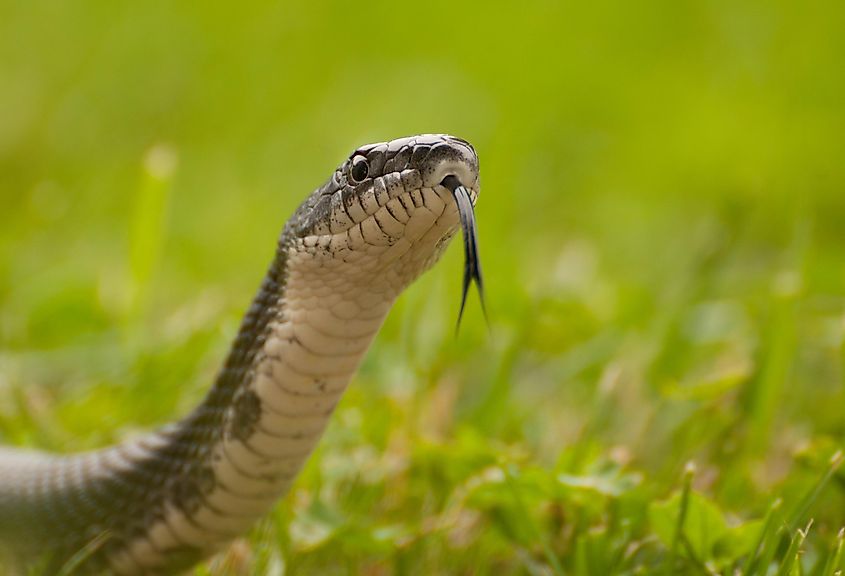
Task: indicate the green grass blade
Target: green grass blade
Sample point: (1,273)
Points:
(792,556)
(147,228)
(77,559)
(810,498)
(766,533)
(689,473)
(834,561)
(548,553)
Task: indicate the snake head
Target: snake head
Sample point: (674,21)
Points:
(386,214)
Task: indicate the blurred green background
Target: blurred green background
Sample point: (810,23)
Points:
(661,226)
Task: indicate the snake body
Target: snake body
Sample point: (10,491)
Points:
(162,502)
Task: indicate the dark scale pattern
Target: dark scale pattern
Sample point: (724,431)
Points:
(246,411)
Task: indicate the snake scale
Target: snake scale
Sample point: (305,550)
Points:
(162,502)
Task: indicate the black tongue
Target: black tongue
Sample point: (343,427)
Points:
(472,264)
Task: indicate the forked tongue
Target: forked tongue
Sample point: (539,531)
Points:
(472,264)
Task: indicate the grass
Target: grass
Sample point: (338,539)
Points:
(661,390)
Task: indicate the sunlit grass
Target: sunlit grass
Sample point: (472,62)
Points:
(661,390)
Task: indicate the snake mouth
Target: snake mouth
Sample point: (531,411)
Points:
(391,208)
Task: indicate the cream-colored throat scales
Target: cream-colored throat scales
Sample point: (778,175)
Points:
(307,360)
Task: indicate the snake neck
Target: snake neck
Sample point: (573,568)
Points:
(298,346)
(219,469)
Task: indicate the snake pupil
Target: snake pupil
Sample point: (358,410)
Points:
(360,169)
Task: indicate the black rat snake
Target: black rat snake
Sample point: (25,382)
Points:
(162,502)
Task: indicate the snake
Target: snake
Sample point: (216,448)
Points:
(161,502)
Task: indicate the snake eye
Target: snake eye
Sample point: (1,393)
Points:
(360,169)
